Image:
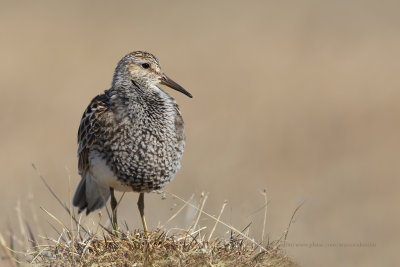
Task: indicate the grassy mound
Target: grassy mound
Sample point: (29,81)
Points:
(79,246)
(158,249)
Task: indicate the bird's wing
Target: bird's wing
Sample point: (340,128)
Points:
(179,124)
(94,120)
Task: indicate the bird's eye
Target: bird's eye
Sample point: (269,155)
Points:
(145,65)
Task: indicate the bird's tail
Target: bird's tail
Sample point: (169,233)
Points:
(90,195)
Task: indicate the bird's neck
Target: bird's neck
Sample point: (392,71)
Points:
(137,102)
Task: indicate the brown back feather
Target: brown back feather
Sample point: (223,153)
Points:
(90,129)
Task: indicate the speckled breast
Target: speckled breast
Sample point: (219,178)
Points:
(145,155)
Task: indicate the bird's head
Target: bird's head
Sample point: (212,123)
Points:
(143,68)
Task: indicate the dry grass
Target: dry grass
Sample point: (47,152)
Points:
(77,245)
(159,249)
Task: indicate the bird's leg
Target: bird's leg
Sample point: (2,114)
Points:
(114,204)
(140,204)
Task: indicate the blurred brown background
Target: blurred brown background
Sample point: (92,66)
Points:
(298,97)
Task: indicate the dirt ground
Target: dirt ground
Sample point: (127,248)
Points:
(298,97)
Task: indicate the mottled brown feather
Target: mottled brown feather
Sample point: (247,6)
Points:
(179,125)
(90,129)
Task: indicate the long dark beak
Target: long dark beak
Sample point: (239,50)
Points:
(170,83)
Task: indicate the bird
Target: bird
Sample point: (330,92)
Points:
(130,138)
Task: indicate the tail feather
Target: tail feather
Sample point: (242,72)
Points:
(90,195)
(79,199)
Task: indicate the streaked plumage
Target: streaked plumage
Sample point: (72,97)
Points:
(131,138)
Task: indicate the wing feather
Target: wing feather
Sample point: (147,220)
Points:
(179,125)
(91,129)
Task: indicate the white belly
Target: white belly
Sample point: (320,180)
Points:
(103,174)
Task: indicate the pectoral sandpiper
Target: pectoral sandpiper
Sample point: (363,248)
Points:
(131,138)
